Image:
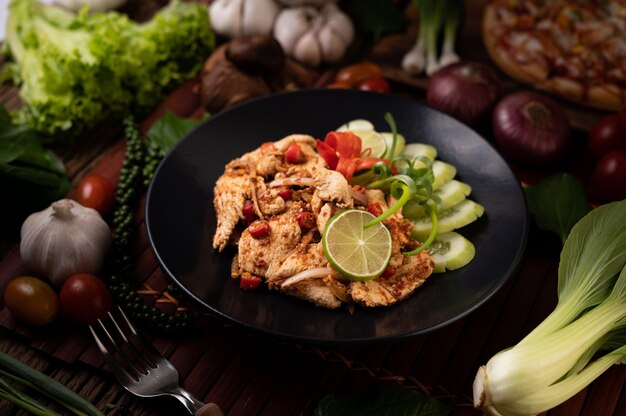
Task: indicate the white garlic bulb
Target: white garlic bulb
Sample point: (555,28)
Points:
(314,36)
(64,239)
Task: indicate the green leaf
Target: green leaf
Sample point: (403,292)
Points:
(386,402)
(32,176)
(170,128)
(557,203)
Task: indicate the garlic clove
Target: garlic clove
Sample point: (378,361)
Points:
(291,25)
(307,49)
(259,16)
(225,17)
(64,239)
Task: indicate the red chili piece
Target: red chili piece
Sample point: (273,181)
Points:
(249,281)
(306,220)
(293,153)
(248,212)
(259,229)
(374,208)
(285,194)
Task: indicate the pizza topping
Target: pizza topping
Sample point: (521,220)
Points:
(582,41)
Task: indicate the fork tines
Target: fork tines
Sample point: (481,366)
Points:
(123,347)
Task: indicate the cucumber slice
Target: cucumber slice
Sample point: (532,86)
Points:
(451,251)
(400,144)
(358,124)
(460,215)
(451,194)
(420,149)
(444,173)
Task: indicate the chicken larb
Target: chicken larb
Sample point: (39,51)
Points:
(282,203)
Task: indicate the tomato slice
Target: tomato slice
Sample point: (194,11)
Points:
(346,143)
(328,154)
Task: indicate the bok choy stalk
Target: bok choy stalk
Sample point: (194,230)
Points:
(556,360)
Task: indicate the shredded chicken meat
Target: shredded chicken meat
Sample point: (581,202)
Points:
(267,186)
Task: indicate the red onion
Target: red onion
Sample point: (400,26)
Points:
(465,90)
(530,128)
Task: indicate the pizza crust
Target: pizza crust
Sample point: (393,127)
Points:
(602,96)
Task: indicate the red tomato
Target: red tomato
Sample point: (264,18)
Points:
(607,134)
(608,180)
(353,75)
(85,298)
(96,192)
(31,300)
(376,84)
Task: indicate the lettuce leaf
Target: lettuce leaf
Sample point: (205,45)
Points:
(76,70)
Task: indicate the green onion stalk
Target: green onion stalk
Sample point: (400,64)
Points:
(581,338)
(412,183)
(435,16)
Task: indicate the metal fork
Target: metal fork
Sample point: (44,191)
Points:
(139,367)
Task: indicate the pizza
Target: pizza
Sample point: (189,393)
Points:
(575,49)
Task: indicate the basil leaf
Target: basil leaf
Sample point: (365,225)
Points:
(557,203)
(387,402)
(170,128)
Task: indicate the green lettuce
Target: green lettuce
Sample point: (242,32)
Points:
(75,70)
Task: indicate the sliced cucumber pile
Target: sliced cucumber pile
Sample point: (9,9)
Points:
(450,250)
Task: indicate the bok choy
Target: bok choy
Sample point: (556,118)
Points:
(581,338)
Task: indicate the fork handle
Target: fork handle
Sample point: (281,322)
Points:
(210,409)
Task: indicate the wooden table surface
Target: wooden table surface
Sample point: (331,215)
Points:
(247,373)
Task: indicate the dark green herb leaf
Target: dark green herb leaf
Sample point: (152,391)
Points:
(557,202)
(31,176)
(170,128)
(374,18)
(387,402)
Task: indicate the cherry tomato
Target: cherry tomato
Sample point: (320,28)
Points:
(376,84)
(607,134)
(608,180)
(353,75)
(31,300)
(85,298)
(96,192)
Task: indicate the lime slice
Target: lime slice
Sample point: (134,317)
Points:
(372,140)
(451,251)
(356,252)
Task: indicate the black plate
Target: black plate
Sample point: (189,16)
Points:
(180,218)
